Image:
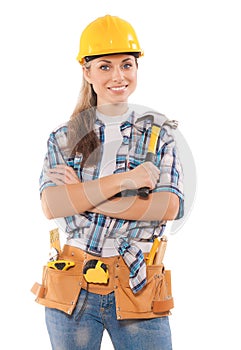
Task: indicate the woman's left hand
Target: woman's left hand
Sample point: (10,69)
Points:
(63,174)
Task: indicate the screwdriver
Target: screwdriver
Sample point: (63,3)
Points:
(161,251)
(152,253)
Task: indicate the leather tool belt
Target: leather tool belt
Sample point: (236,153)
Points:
(60,289)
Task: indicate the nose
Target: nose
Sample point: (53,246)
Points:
(117,75)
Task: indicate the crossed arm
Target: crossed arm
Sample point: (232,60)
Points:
(70,196)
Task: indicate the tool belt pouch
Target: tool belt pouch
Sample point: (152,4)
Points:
(59,289)
(154,300)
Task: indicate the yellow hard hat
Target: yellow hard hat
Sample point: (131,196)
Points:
(108,35)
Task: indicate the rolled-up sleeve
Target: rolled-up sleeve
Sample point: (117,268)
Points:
(55,146)
(171,171)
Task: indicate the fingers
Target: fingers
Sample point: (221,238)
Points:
(144,175)
(153,174)
(63,174)
(154,170)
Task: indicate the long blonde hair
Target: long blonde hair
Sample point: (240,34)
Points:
(82,138)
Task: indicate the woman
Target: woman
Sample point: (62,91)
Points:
(92,173)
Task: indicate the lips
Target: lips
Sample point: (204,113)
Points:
(118,88)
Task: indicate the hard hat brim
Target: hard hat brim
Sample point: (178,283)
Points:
(90,58)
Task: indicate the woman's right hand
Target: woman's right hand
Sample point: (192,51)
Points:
(63,174)
(144,175)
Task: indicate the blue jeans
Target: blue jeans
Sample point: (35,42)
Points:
(83,330)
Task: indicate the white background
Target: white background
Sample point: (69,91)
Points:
(190,72)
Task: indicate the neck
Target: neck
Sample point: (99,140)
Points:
(113,109)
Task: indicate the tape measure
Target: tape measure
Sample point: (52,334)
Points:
(95,271)
(62,265)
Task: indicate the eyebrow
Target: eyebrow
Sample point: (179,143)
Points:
(107,61)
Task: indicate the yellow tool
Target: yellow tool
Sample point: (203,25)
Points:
(55,247)
(161,251)
(143,192)
(155,132)
(62,265)
(157,124)
(54,239)
(157,252)
(152,253)
(95,271)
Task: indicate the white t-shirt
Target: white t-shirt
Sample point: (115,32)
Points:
(113,141)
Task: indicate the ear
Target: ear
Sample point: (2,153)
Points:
(86,73)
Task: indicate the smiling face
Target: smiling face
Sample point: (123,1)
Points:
(113,77)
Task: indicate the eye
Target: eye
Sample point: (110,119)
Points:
(104,67)
(127,65)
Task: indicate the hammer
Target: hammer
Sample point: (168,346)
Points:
(157,123)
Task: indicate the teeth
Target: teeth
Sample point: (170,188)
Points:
(118,88)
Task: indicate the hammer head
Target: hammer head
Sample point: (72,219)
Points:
(158,119)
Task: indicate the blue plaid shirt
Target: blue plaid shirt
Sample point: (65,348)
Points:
(92,229)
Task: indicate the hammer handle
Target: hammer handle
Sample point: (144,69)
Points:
(143,192)
(150,156)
